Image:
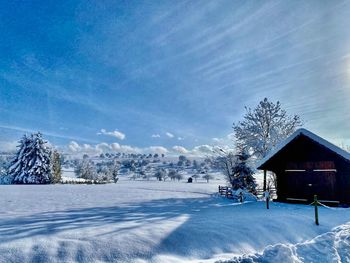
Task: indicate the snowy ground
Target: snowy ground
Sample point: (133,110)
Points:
(160,222)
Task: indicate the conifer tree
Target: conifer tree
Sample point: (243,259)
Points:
(242,174)
(56,167)
(114,170)
(32,163)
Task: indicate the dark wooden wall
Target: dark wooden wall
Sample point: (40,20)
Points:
(306,154)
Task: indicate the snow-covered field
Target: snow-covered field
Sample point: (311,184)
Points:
(149,221)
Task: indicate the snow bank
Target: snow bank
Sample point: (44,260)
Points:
(333,246)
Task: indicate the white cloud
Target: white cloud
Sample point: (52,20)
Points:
(115,146)
(74,146)
(180,138)
(203,149)
(200,150)
(117,134)
(129,149)
(103,147)
(8,146)
(170,135)
(227,140)
(180,149)
(158,149)
(155,136)
(88,148)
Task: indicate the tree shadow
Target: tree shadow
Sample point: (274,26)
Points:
(213,225)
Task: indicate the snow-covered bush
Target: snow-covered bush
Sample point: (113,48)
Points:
(86,170)
(31,164)
(108,171)
(172,174)
(161,174)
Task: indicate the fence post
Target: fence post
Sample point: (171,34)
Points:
(267,196)
(316,209)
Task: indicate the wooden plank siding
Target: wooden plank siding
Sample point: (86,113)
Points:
(304,168)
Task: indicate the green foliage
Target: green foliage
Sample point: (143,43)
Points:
(56,171)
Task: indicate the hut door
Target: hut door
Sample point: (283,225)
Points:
(306,179)
(297,185)
(323,184)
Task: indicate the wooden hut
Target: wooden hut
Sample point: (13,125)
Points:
(306,164)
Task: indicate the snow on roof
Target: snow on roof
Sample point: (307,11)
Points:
(310,135)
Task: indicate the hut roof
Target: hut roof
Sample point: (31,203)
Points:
(310,135)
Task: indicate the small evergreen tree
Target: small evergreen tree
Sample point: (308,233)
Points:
(32,162)
(242,174)
(56,167)
(114,168)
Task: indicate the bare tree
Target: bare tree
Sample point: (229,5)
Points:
(208,177)
(263,128)
(161,174)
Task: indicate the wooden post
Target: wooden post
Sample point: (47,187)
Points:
(264,181)
(267,203)
(316,209)
(267,196)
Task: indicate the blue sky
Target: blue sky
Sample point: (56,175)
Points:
(184,68)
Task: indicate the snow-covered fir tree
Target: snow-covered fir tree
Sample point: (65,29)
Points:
(114,169)
(32,162)
(241,176)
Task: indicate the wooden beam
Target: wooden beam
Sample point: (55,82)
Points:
(264,188)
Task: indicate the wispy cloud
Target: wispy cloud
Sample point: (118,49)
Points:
(169,134)
(45,133)
(155,136)
(117,134)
